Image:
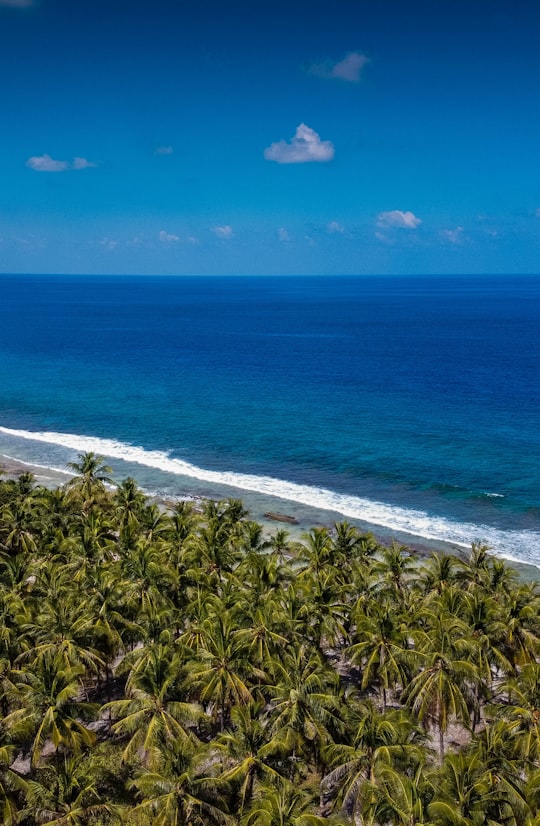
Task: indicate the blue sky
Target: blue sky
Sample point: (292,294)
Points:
(288,137)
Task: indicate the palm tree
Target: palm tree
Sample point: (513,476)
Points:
(318,552)
(381,651)
(394,568)
(259,631)
(444,688)
(281,804)
(498,749)
(61,632)
(400,798)
(180,791)
(439,571)
(381,742)
(18,524)
(150,715)
(12,787)
(462,789)
(222,676)
(521,708)
(51,709)
(65,794)
(129,502)
(92,476)
(518,628)
(306,707)
(250,756)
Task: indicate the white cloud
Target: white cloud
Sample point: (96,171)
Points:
(82,163)
(348,69)
(44,163)
(108,243)
(283,234)
(453,236)
(168,237)
(192,239)
(222,232)
(334,227)
(164,150)
(397,218)
(305,147)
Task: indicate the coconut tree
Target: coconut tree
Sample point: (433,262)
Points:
(306,707)
(91,477)
(381,742)
(498,749)
(151,715)
(263,631)
(60,631)
(438,572)
(324,612)
(12,786)
(281,804)
(221,675)
(51,710)
(462,788)
(380,649)
(129,502)
(64,793)
(518,627)
(181,791)
(249,754)
(394,567)
(318,552)
(444,688)
(520,706)
(400,798)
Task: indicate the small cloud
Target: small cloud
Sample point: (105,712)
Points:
(334,227)
(164,150)
(191,239)
(380,236)
(305,147)
(82,163)
(108,243)
(349,69)
(224,232)
(397,218)
(44,163)
(453,236)
(168,237)
(283,235)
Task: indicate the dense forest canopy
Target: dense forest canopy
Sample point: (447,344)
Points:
(180,666)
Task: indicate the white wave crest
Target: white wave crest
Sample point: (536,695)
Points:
(521,546)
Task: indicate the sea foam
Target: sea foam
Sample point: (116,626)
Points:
(518,546)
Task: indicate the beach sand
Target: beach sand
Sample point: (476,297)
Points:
(259,504)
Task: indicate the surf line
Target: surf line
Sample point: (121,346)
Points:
(399,519)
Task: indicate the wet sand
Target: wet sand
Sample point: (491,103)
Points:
(258,505)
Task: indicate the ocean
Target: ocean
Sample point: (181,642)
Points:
(407,405)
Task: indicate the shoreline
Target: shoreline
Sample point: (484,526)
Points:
(305,517)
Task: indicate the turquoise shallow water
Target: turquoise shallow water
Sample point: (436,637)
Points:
(407,403)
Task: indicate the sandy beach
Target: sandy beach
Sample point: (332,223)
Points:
(259,505)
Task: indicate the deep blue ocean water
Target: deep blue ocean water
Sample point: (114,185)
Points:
(406,402)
